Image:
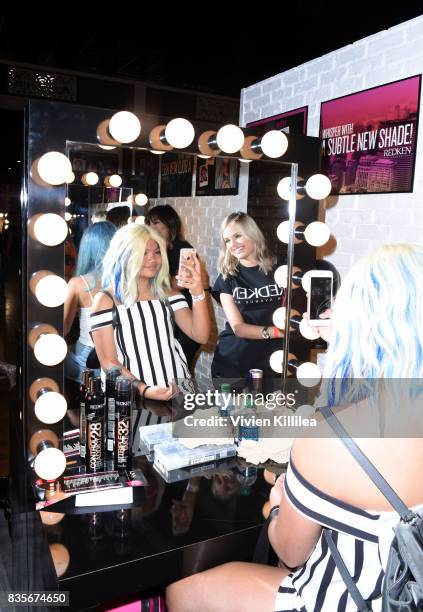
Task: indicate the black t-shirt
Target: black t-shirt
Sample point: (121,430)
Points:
(257,296)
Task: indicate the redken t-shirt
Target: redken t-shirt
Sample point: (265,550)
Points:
(257,296)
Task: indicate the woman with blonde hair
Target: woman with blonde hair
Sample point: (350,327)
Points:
(249,296)
(377,336)
(132,321)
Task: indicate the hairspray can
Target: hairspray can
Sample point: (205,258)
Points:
(95,408)
(111,376)
(123,407)
(87,374)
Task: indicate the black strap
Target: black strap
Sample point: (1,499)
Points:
(170,309)
(115,315)
(395,501)
(346,577)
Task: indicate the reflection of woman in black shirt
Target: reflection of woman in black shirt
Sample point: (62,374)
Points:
(166,221)
(249,296)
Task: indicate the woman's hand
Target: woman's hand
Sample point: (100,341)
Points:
(190,276)
(159,393)
(277,491)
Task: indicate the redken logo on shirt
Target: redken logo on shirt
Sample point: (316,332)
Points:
(254,295)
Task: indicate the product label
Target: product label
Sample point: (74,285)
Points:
(95,445)
(123,430)
(82,430)
(110,417)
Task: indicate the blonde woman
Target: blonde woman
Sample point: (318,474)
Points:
(132,322)
(248,295)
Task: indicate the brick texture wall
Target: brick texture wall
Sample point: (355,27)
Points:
(358,223)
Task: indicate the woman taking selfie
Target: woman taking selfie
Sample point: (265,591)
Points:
(132,323)
(375,357)
(166,221)
(249,296)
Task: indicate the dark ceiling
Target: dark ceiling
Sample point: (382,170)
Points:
(210,53)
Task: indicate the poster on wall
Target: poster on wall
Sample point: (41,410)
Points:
(217,176)
(291,122)
(370,138)
(176,175)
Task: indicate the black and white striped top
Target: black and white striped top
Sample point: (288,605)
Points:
(145,341)
(363,539)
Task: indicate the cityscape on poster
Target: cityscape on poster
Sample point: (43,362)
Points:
(369,138)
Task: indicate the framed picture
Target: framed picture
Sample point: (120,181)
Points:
(217,176)
(369,138)
(176,171)
(291,122)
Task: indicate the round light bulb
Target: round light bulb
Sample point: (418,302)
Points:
(141,199)
(308,374)
(90,179)
(276,361)
(140,220)
(179,133)
(124,127)
(244,161)
(113,180)
(68,216)
(281,276)
(71,177)
(50,349)
(305,281)
(282,231)
(155,152)
(274,143)
(284,188)
(318,186)
(50,407)
(106,147)
(50,229)
(307,331)
(54,168)
(230,138)
(306,410)
(50,463)
(317,233)
(204,156)
(51,291)
(279,317)
(68,201)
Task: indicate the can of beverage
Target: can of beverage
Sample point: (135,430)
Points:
(255,380)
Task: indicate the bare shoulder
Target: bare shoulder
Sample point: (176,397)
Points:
(102,301)
(173,292)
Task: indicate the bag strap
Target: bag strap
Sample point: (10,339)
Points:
(396,502)
(346,576)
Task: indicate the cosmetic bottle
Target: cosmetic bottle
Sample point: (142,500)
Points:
(95,411)
(87,374)
(111,376)
(123,408)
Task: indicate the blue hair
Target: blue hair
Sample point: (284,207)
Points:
(92,249)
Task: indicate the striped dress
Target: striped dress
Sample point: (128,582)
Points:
(145,341)
(363,539)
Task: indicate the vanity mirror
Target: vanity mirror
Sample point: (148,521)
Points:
(62,193)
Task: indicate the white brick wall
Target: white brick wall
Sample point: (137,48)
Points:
(359,223)
(201,218)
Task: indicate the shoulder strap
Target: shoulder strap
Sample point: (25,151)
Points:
(116,321)
(88,287)
(386,489)
(170,309)
(346,576)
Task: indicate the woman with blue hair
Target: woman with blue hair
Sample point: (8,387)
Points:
(82,289)
(375,357)
(132,320)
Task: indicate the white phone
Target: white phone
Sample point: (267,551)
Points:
(185,255)
(320,296)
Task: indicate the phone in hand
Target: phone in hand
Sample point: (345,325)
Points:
(184,256)
(319,296)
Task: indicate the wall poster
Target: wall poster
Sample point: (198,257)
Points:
(370,138)
(217,176)
(291,122)
(176,175)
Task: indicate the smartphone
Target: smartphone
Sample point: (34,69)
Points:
(319,296)
(184,256)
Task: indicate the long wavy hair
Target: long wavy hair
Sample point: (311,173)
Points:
(92,249)
(169,217)
(123,262)
(228,264)
(377,325)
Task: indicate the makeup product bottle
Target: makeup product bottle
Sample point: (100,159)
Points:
(123,406)
(87,374)
(111,376)
(95,409)
(248,430)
